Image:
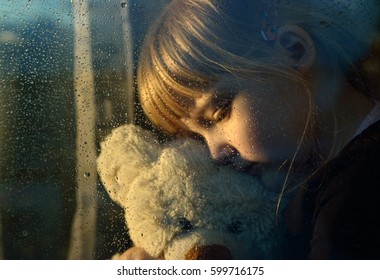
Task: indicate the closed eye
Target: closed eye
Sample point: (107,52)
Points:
(223,111)
(220,113)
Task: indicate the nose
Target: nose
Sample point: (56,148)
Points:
(222,153)
(226,155)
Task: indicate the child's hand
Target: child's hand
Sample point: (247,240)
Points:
(135,253)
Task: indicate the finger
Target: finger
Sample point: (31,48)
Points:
(135,253)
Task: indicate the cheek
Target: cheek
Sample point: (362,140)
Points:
(274,133)
(286,137)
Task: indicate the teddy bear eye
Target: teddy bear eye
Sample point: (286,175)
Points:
(235,227)
(185,224)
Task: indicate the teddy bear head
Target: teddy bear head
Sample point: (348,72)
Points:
(179,205)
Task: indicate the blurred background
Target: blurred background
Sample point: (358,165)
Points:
(42,48)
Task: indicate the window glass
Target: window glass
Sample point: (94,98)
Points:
(68,77)
(38,118)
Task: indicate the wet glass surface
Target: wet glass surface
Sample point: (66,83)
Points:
(67,78)
(38,119)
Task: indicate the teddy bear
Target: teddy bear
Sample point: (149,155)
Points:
(180,205)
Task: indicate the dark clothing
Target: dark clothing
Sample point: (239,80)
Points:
(337,215)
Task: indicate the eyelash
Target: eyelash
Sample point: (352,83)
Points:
(223,111)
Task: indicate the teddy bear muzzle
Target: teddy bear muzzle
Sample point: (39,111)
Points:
(209,252)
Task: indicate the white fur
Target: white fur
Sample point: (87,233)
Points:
(162,187)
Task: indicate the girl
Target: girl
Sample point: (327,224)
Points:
(272,89)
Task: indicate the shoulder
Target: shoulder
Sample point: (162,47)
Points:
(357,164)
(340,209)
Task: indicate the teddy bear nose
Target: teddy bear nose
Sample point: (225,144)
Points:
(208,252)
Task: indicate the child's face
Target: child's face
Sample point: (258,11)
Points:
(255,127)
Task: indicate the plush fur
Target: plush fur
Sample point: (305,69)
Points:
(179,205)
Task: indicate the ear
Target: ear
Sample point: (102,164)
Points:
(296,47)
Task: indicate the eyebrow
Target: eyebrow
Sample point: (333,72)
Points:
(206,105)
(222,89)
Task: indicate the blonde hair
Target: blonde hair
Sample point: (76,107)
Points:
(194,41)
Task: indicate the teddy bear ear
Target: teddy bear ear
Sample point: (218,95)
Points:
(124,154)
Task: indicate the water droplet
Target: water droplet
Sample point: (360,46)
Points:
(323,24)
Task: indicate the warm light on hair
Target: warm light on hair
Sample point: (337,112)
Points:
(195,41)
